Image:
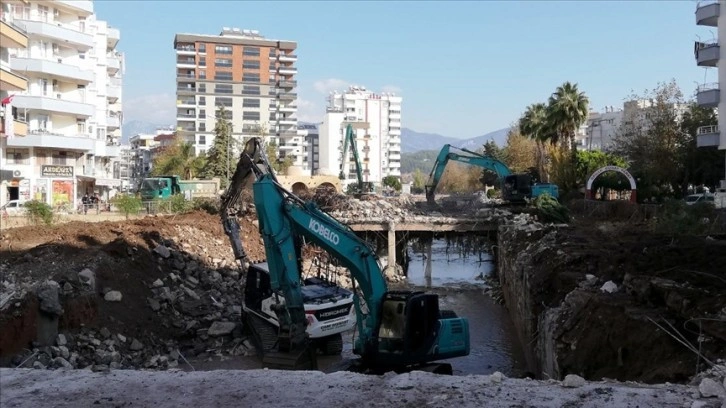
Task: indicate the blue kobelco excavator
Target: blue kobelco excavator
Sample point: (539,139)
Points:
(516,188)
(395,330)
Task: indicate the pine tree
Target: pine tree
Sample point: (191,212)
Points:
(220,160)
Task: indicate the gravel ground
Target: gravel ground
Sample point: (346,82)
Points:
(272,388)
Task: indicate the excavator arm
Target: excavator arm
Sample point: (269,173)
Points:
(349,140)
(465,156)
(397,329)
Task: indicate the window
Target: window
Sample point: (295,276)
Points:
(202,74)
(223,49)
(223,102)
(202,113)
(202,47)
(223,88)
(227,115)
(223,62)
(202,139)
(81,126)
(251,64)
(43,13)
(202,100)
(251,51)
(251,115)
(202,61)
(222,76)
(202,127)
(247,77)
(250,90)
(42,122)
(202,88)
(60,159)
(101,134)
(250,103)
(43,83)
(15,156)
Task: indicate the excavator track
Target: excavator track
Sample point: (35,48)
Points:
(265,335)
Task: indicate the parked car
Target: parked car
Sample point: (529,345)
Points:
(13,207)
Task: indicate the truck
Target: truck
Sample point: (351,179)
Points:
(516,188)
(167,186)
(396,330)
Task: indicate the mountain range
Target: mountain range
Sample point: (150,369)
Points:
(411,140)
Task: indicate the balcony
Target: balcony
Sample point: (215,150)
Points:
(113,122)
(113,36)
(82,7)
(56,105)
(186,49)
(287,96)
(186,63)
(113,62)
(12,36)
(186,90)
(189,117)
(287,57)
(55,68)
(188,102)
(113,92)
(287,84)
(287,108)
(287,121)
(11,81)
(707,13)
(185,77)
(708,136)
(51,140)
(63,33)
(287,70)
(707,54)
(708,95)
(394,117)
(19,128)
(396,157)
(102,149)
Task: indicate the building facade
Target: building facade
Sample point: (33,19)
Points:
(376,119)
(11,82)
(708,55)
(253,77)
(72,105)
(310,134)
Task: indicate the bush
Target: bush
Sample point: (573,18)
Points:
(550,210)
(128,204)
(179,204)
(210,205)
(678,218)
(39,212)
(493,193)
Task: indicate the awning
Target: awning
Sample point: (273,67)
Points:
(108,182)
(85,178)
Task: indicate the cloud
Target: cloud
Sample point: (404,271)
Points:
(308,111)
(325,86)
(154,108)
(391,89)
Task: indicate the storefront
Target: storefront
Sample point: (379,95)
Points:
(59,181)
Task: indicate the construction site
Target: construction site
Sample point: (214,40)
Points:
(148,311)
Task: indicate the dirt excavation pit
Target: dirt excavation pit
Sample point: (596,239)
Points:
(164,292)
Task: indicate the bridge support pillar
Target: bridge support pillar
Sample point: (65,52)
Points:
(392,246)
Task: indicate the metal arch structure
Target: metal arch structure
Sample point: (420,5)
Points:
(633,188)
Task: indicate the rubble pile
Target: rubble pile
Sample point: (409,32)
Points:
(161,294)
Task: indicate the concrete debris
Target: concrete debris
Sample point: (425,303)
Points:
(162,251)
(573,381)
(609,287)
(113,296)
(88,277)
(48,297)
(711,388)
(221,328)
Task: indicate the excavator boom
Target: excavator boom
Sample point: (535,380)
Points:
(395,328)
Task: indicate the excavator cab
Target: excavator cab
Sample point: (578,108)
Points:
(517,187)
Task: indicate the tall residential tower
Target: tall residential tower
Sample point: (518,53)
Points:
(251,76)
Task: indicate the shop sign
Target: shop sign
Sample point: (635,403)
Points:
(56,171)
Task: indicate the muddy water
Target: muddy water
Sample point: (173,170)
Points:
(457,277)
(456,274)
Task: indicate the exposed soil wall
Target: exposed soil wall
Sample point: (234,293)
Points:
(554,282)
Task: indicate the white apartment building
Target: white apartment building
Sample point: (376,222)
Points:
(708,55)
(72,106)
(376,119)
(599,132)
(310,136)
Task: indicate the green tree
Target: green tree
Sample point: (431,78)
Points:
(178,159)
(393,182)
(279,164)
(702,166)
(220,159)
(534,125)
(589,161)
(491,149)
(652,141)
(419,182)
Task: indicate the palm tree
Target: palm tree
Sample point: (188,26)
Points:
(568,109)
(179,158)
(534,125)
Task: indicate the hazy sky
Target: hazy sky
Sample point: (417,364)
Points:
(463,68)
